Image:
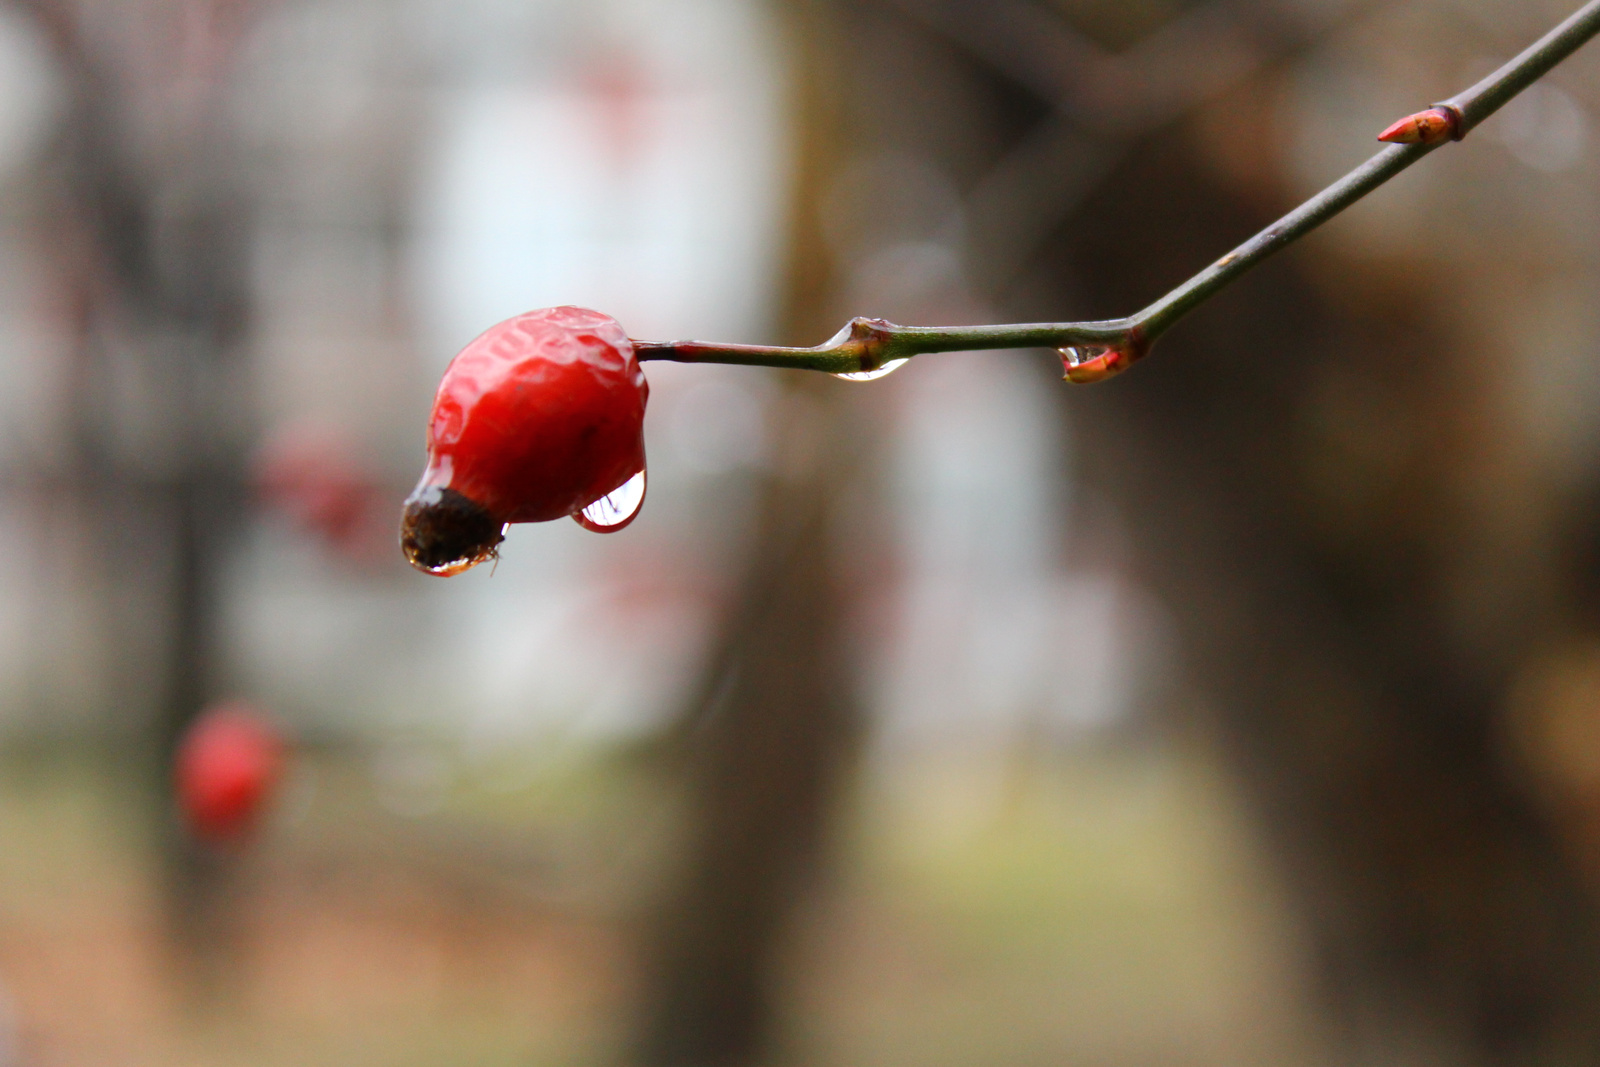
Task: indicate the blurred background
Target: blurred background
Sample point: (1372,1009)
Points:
(1243,710)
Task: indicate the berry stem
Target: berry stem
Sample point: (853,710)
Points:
(867,344)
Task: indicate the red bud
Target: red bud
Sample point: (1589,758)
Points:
(1433,126)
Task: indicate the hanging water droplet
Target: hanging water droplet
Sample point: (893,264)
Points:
(873,375)
(453,567)
(1085,364)
(616,509)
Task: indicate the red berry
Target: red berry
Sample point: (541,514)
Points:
(540,417)
(228,763)
(311,475)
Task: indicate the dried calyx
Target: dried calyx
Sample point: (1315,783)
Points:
(445,533)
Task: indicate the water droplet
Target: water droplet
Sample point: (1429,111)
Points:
(1085,364)
(873,375)
(616,509)
(451,568)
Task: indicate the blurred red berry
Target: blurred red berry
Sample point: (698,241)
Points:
(311,475)
(227,766)
(539,418)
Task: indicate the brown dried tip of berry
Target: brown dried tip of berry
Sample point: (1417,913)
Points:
(444,533)
(1433,126)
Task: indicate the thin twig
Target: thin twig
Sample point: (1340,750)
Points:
(1190,60)
(1100,349)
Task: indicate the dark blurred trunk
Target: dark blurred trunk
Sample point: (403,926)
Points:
(198,879)
(777,724)
(767,757)
(1291,481)
(1311,485)
(165,272)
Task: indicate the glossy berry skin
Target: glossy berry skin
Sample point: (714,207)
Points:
(227,767)
(536,419)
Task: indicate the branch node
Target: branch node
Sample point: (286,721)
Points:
(869,340)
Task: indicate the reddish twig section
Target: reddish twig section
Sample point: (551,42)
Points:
(1094,351)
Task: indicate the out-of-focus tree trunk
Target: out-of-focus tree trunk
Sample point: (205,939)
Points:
(166,273)
(1303,480)
(1355,618)
(766,763)
(779,722)
(1313,483)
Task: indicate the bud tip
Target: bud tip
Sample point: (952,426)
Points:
(1433,126)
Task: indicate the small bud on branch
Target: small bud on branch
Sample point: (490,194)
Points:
(1434,126)
(1087,364)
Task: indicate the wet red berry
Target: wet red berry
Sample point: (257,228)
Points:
(539,418)
(227,766)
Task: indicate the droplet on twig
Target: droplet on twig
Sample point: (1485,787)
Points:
(873,375)
(1087,364)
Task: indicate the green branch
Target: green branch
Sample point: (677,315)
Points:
(1097,350)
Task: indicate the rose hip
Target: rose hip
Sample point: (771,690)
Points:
(536,419)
